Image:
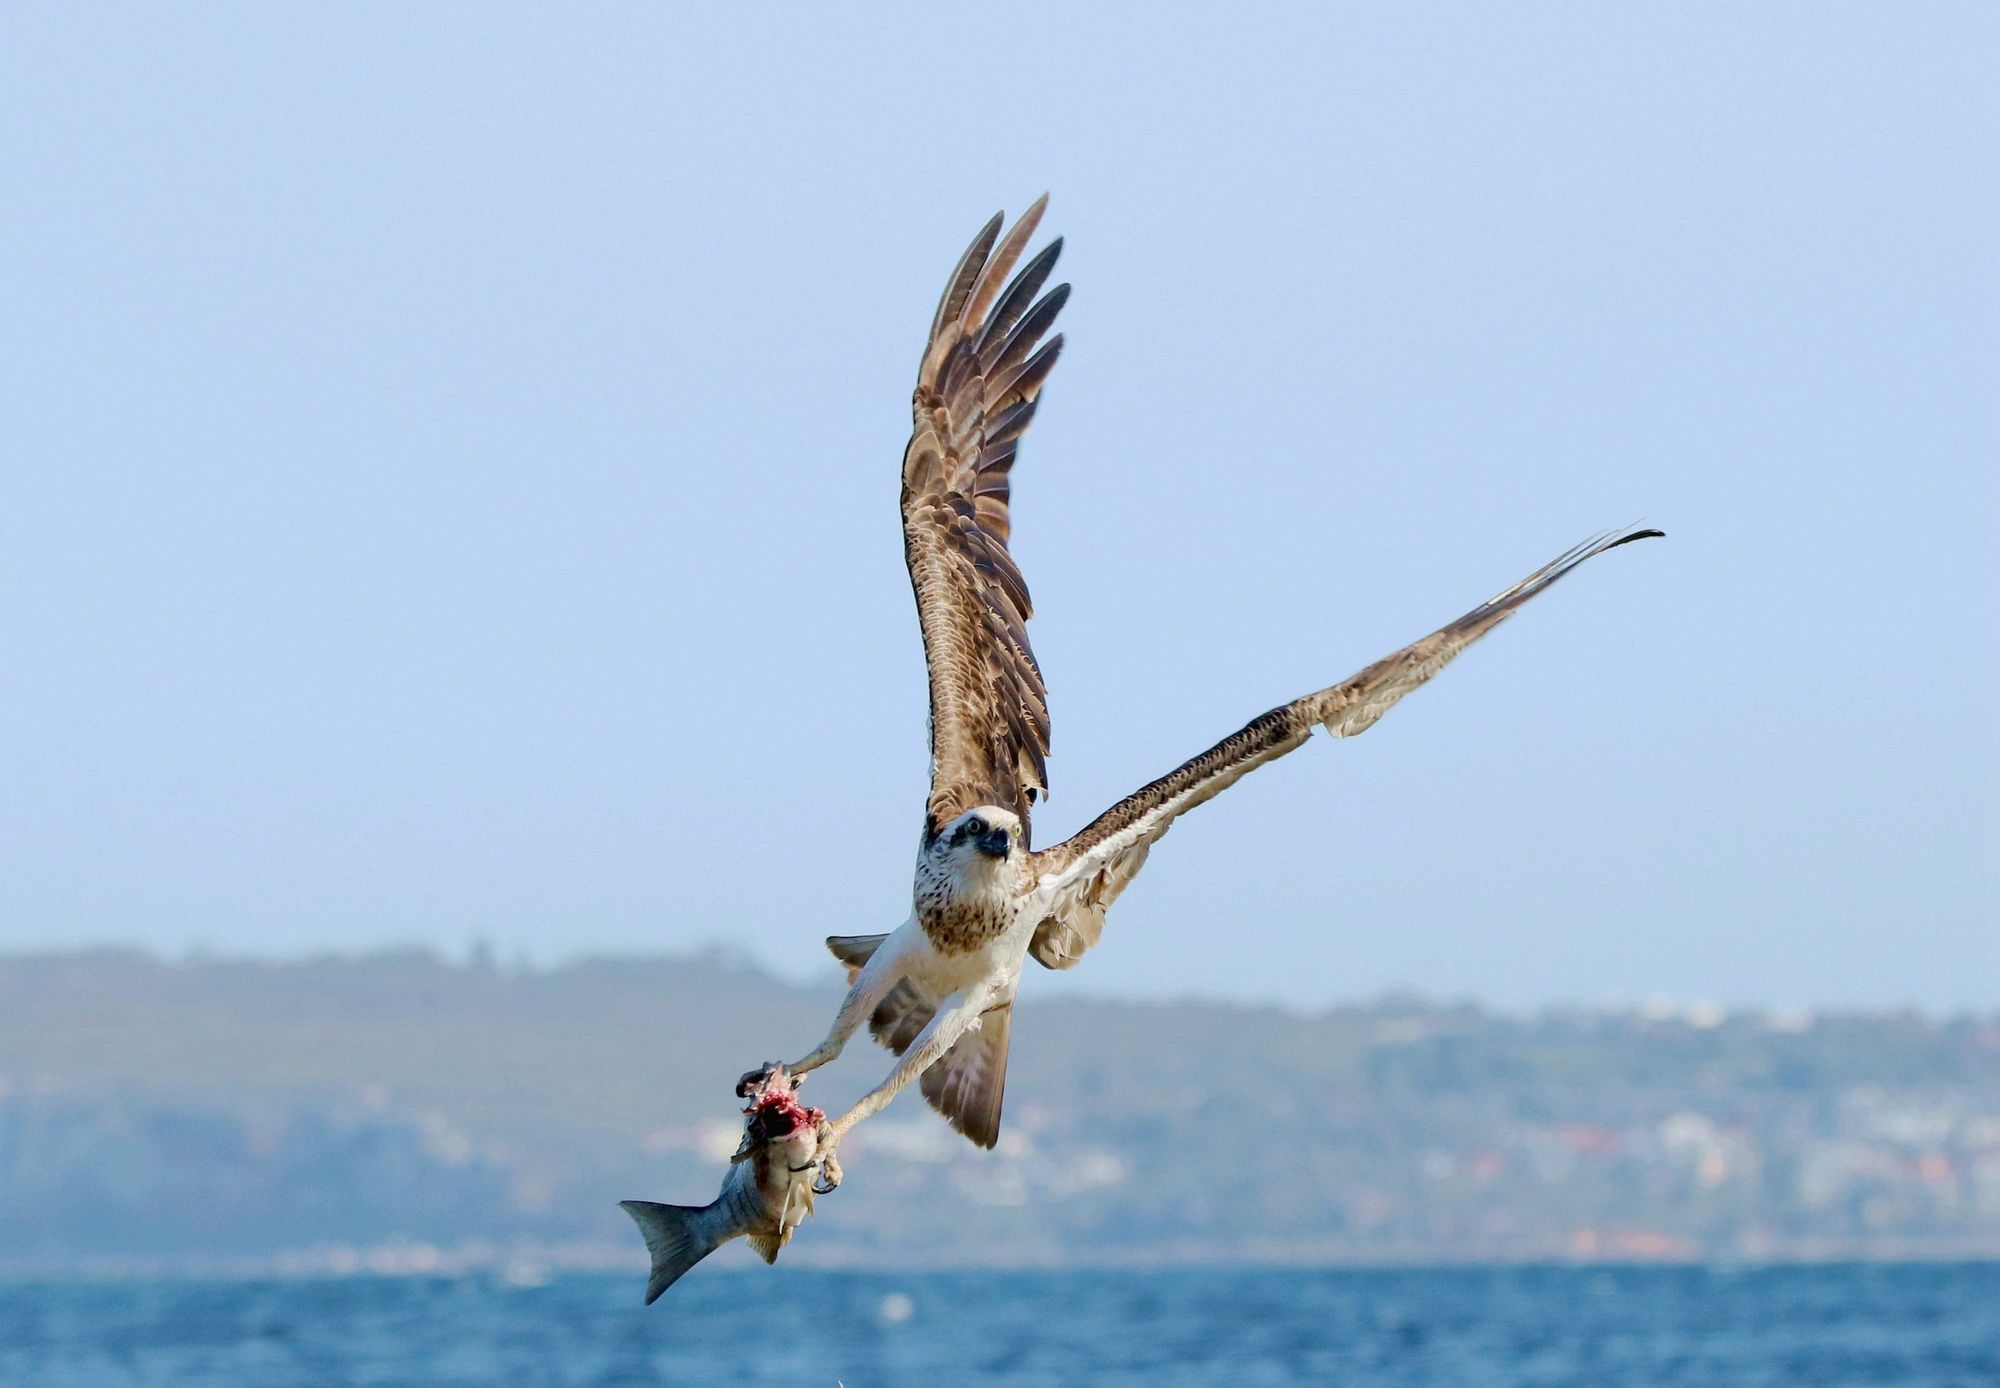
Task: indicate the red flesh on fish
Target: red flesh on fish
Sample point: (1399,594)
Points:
(776,1114)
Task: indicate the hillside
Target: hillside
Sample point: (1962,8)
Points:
(399,1110)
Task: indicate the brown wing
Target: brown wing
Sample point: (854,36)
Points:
(976,394)
(1094,866)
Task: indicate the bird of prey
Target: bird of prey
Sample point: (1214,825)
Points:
(939,990)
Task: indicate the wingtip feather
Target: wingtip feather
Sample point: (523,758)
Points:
(962,276)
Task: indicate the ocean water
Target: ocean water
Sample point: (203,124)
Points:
(1914,1326)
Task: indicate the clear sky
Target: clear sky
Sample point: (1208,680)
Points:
(448,461)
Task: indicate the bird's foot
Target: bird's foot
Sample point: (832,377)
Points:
(830,1173)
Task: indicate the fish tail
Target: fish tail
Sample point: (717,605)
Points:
(678,1237)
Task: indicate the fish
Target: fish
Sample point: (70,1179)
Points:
(767,1193)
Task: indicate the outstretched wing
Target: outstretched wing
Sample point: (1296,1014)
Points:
(1091,868)
(976,393)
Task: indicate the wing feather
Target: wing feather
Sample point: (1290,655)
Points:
(1020,294)
(1091,868)
(982,373)
(969,265)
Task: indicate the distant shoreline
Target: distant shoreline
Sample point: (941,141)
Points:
(480,960)
(530,1267)
(398,1114)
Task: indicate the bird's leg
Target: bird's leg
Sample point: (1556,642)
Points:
(859,1004)
(958,1014)
(873,984)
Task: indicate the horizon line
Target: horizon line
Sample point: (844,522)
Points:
(481,957)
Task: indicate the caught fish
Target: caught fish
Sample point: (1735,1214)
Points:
(767,1193)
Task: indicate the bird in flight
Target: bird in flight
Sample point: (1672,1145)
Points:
(939,990)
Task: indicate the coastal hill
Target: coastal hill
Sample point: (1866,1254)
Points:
(398,1111)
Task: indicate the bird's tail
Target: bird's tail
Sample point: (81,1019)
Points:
(854,951)
(677,1236)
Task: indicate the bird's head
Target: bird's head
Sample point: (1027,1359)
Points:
(982,837)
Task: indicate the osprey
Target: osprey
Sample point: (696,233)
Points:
(939,990)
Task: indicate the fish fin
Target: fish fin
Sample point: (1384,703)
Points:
(901,1017)
(854,951)
(676,1235)
(798,1196)
(969,1082)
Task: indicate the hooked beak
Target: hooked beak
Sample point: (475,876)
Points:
(994,843)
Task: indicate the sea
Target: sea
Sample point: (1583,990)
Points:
(1829,1326)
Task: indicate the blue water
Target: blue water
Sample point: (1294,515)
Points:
(1911,1326)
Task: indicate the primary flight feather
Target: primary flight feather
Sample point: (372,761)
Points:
(939,990)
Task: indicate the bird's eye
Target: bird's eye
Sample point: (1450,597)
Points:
(975,827)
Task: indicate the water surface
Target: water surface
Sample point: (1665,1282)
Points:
(1913,1326)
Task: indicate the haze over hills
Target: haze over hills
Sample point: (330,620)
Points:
(399,1111)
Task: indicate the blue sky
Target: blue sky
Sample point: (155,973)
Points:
(451,465)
